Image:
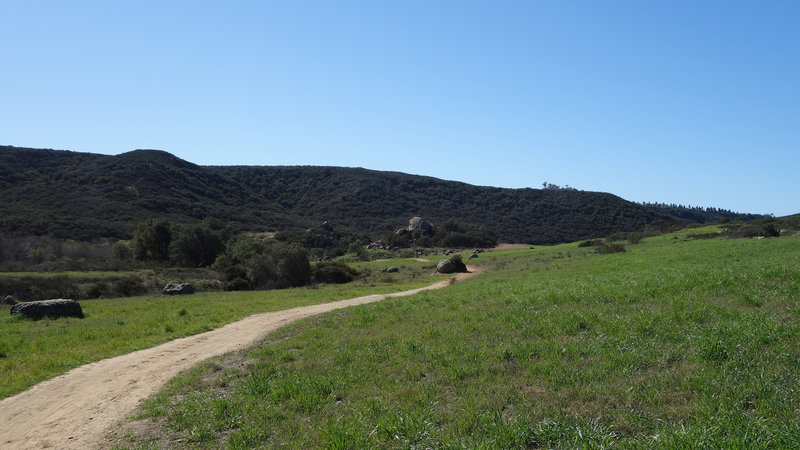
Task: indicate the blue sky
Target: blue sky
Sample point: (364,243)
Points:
(695,103)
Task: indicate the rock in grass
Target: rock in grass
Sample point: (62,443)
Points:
(8,300)
(178,289)
(451,265)
(55,308)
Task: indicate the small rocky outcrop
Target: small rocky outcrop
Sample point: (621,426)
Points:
(417,224)
(451,265)
(8,300)
(389,270)
(178,289)
(377,245)
(55,308)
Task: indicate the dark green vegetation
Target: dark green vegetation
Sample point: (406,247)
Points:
(87,196)
(446,235)
(680,341)
(32,351)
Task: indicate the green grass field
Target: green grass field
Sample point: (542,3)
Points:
(675,343)
(33,351)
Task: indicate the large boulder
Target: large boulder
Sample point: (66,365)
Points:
(59,307)
(451,265)
(178,289)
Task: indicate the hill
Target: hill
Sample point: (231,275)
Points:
(85,196)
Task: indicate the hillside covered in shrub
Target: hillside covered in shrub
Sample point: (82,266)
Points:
(85,196)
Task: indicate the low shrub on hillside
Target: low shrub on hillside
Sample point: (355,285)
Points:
(612,247)
(333,272)
(255,264)
(75,287)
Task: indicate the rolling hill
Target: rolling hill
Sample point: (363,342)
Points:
(85,196)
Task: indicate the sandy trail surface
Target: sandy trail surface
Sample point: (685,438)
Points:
(77,409)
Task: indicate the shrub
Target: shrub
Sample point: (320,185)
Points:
(770,230)
(128,286)
(334,272)
(635,237)
(97,289)
(591,243)
(237,284)
(264,264)
(121,252)
(614,247)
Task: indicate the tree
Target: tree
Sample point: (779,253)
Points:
(264,264)
(196,245)
(151,240)
(121,252)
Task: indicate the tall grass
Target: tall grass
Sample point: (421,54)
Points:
(674,343)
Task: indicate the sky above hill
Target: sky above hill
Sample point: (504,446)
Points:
(686,102)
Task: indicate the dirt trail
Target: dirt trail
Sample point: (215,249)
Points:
(76,409)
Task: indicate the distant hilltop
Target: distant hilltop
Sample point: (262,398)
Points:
(85,196)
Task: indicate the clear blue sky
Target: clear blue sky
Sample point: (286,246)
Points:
(695,102)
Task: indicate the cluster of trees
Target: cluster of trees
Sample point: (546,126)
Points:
(243,260)
(159,240)
(700,214)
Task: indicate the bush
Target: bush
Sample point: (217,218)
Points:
(196,245)
(635,237)
(237,284)
(591,243)
(121,252)
(128,286)
(264,264)
(770,230)
(97,289)
(334,272)
(614,247)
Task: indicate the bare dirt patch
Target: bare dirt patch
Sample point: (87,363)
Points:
(511,246)
(79,408)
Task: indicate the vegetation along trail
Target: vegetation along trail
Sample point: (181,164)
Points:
(76,409)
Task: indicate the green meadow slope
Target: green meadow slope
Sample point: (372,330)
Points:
(678,342)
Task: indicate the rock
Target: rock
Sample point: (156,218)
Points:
(418,223)
(8,300)
(451,265)
(473,256)
(389,270)
(60,307)
(178,289)
(377,245)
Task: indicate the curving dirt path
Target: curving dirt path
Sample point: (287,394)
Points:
(76,409)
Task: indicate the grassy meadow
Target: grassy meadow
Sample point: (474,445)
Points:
(33,351)
(678,342)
